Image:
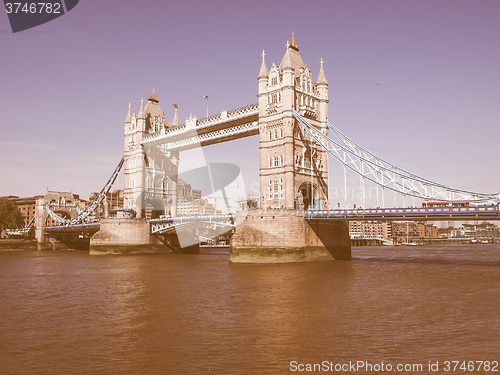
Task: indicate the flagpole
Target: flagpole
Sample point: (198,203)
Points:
(206,97)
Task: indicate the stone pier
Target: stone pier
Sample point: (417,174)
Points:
(125,236)
(284,236)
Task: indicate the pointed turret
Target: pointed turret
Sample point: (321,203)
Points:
(175,121)
(263,68)
(129,115)
(321,76)
(292,59)
(286,62)
(142,114)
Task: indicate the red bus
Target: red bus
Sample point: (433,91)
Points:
(445,204)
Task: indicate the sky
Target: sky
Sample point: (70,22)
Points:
(415,82)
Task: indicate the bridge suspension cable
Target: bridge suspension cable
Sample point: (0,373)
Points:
(385,174)
(84,214)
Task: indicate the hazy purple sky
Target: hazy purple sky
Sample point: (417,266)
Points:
(65,86)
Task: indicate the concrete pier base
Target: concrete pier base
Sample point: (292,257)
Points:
(284,236)
(125,236)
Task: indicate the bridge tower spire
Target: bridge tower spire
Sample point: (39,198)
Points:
(293,169)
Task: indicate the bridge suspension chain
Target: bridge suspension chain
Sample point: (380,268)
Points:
(56,217)
(84,214)
(100,197)
(386,174)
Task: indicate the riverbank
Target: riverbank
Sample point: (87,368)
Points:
(6,245)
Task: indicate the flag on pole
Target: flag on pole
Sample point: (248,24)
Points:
(206,97)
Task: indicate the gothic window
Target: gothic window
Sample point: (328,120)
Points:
(281,188)
(274,134)
(281,133)
(270,162)
(307,159)
(270,189)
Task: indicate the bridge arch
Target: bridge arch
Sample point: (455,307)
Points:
(307,195)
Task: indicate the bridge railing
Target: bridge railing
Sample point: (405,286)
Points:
(67,227)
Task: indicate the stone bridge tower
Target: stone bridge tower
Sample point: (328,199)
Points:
(293,168)
(150,174)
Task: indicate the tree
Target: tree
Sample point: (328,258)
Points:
(10,216)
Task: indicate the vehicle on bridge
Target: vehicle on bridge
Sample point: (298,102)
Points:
(445,204)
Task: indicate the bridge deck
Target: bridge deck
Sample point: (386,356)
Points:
(419,214)
(491,212)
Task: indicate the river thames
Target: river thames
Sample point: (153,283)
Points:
(67,312)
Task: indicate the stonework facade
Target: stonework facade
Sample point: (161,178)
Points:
(150,175)
(293,168)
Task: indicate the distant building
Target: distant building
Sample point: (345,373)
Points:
(188,207)
(25,205)
(369,229)
(59,202)
(190,202)
(248,204)
(413,231)
(110,206)
(482,231)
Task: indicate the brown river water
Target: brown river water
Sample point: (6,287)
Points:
(70,313)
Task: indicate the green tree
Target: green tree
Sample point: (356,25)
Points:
(10,216)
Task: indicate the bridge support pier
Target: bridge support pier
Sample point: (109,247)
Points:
(284,236)
(125,236)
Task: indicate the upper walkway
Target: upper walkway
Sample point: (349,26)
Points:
(225,126)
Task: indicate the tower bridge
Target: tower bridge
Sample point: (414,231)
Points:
(296,140)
